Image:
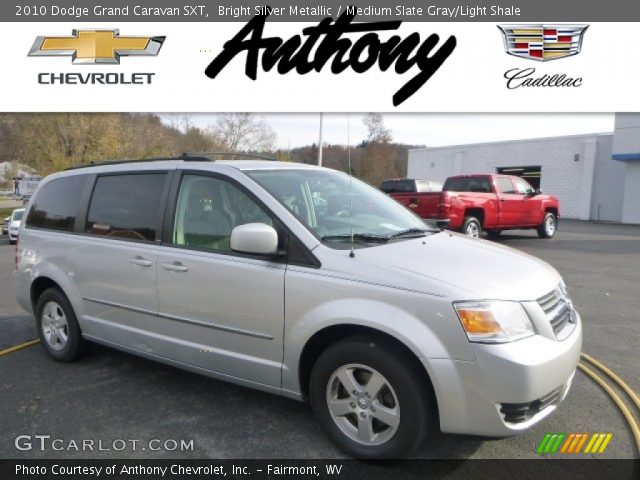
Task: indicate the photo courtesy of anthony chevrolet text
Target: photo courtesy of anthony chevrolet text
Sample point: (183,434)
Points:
(312,239)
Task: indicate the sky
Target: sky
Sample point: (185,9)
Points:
(430,129)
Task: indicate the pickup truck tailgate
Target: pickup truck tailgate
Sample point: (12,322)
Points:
(424,204)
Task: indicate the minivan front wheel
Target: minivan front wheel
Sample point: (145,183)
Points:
(58,327)
(371,399)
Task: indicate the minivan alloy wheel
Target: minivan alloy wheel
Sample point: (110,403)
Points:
(54,326)
(363,404)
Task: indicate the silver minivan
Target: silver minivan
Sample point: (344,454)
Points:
(304,282)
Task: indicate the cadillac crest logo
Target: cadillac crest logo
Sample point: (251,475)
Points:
(543,42)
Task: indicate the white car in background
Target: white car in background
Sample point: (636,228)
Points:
(14,225)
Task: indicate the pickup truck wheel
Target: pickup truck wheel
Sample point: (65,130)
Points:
(548,227)
(57,326)
(371,399)
(471,227)
(494,233)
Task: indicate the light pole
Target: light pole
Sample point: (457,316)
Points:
(320,143)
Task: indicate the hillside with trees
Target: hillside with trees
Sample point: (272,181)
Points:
(51,142)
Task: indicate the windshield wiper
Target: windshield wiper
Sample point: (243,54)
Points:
(357,237)
(410,232)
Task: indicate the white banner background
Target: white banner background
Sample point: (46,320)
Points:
(470,80)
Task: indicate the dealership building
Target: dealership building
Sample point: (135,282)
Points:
(594,176)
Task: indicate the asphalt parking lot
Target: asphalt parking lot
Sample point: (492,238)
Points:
(110,395)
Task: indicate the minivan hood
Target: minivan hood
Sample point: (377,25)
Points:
(483,269)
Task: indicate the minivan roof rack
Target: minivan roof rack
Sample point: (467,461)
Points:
(117,162)
(188,157)
(208,155)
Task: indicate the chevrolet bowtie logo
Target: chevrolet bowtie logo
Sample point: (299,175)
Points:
(96,46)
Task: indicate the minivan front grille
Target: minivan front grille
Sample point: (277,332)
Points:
(521,412)
(558,309)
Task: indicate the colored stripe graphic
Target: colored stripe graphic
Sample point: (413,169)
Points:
(543,443)
(607,439)
(573,443)
(598,443)
(567,443)
(581,443)
(550,443)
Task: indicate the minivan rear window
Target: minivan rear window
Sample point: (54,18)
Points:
(126,206)
(56,203)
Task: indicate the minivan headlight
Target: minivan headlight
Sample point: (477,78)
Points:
(493,321)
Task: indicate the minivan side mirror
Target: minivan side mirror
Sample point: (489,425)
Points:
(255,238)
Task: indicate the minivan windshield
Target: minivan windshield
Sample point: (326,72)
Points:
(333,210)
(17,215)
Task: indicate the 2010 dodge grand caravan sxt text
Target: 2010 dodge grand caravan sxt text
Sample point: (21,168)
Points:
(300,281)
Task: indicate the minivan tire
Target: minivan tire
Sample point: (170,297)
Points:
(74,345)
(549,226)
(408,385)
(472,224)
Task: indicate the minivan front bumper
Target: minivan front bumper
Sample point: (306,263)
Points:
(508,388)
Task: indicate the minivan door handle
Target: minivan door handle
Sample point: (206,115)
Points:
(175,267)
(141,261)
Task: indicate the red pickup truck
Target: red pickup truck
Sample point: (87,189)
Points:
(472,203)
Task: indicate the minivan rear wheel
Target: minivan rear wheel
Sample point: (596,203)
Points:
(58,327)
(371,399)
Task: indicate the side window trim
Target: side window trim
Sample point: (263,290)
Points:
(170,214)
(171,204)
(83,207)
(162,206)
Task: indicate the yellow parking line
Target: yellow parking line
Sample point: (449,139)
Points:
(633,425)
(15,348)
(628,390)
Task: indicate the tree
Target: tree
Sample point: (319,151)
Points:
(243,132)
(180,121)
(380,159)
(377,132)
(54,141)
(48,142)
